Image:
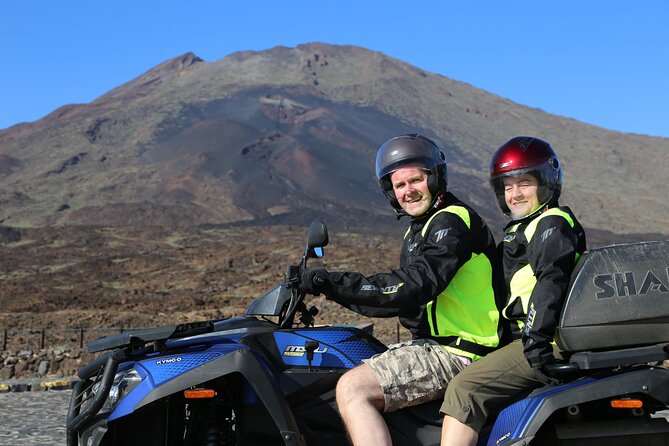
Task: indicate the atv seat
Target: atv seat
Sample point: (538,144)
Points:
(610,359)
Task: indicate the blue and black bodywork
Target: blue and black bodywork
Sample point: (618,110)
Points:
(263,378)
(255,381)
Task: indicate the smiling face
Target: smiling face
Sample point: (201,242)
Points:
(520,194)
(411,190)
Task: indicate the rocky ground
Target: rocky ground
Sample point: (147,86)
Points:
(63,286)
(58,362)
(56,281)
(33,418)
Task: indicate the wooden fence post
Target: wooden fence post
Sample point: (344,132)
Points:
(43,339)
(81,337)
(4,340)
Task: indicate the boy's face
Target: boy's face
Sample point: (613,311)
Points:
(411,191)
(520,194)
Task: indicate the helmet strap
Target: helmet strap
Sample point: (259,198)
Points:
(399,213)
(438,201)
(540,210)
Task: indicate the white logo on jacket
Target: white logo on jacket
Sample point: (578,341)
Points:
(440,234)
(385,290)
(547,233)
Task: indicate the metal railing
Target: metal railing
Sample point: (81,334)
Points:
(43,338)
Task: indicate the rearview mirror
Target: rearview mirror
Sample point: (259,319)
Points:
(317,238)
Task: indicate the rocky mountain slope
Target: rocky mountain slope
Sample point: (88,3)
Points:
(279,136)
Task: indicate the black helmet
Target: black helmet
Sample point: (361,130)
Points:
(525,154)
(410,150)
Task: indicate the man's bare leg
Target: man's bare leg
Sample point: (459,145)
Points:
(360,401)
(455,433)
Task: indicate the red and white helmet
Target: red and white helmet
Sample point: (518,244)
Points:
(525,154)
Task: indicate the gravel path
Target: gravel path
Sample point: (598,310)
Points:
(33,418)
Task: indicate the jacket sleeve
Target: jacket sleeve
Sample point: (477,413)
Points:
(446,247)
(369,311)
(552,255)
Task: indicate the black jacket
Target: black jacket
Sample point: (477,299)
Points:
(427,265)
(540,269)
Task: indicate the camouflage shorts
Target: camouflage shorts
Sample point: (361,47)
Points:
(414,372)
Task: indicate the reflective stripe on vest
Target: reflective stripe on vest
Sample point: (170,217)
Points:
(455,316)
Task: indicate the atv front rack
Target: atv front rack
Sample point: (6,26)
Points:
(146,335)
(76,418)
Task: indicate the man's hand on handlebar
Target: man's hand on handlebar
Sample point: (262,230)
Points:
(314,280)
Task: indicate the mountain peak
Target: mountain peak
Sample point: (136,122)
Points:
(156,75)
(176,64)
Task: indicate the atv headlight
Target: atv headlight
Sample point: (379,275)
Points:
(122,384)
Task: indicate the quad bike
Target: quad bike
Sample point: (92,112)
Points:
(269,377)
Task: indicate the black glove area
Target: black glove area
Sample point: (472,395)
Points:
(541,375)
(314,280)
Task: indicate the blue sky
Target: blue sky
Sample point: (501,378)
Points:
(602,62)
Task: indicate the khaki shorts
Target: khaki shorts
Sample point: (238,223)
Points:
(489,385)
(414,372)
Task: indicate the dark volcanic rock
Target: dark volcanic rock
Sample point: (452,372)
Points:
(9,235)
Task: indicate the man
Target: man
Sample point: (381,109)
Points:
(446,292)
(542,244)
